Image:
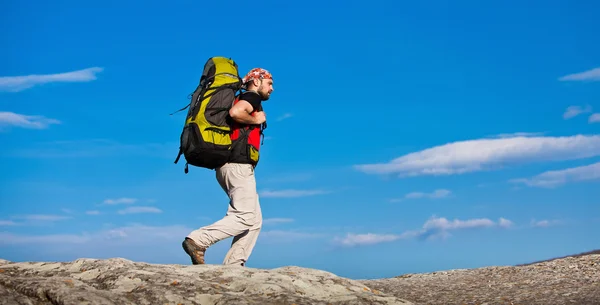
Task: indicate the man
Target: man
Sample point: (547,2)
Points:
(243,219)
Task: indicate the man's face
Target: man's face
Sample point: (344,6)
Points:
(265,87)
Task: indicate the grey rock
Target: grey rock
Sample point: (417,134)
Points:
(569,280)
(120,281)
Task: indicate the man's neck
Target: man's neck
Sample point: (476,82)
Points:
(255,92)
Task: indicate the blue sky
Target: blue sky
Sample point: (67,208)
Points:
(402,137)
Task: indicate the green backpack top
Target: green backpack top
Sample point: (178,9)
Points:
(205,140)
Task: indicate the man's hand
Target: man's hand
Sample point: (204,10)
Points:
(260,117)
(240,112)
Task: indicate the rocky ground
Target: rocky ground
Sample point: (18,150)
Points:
(570,280)
(119,281)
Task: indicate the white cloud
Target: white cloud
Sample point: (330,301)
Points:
(594,118)
(138,210)
(136,231)
(518,134)
(19,83)
(33,219)
(125,235)
(53,239)
(573,111)
(505,223)
(435,227)
(444,224)
(291,193)
(440,227)
(441,193)
(487,154)
(437,194)
(12,119)
(94,212)
(365,239)
(136,242)
(123,200)
(284,116)
(555,178)
(277,220)
(43,217)
(544,223)
(589,75)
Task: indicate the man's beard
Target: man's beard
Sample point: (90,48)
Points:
(263,95)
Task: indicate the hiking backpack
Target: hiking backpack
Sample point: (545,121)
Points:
(205,140)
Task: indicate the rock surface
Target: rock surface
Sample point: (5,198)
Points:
(570,280)
(120,281)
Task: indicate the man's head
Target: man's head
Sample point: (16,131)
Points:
(259,80)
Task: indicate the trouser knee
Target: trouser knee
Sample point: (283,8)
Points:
(258,224)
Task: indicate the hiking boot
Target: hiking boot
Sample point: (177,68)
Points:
(194,251)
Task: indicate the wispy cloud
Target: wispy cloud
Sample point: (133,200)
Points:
(517,134)
(54,239)
(135,233)
(556,178)
(352,239)
(11,119)
(435,227)
(544,223)
(137,242)
(114,241)
(573,111)
(94,212)
(291,193)
(123,200)
(277,220)
(437,194)
(284,116)
(441,227)
(505,223)
(19,83)
(487,154)
(594,118)
(33,219)
(589,75)
(42,217)
(441,193)
(139,210)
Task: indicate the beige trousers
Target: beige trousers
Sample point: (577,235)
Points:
(243,219)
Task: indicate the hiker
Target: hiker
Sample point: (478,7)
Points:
(243,219)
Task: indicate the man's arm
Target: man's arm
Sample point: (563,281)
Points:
(240,112)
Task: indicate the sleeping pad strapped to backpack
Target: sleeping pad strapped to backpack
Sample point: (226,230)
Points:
(205,140)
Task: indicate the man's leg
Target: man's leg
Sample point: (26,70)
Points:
(239,182)
(243,244)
